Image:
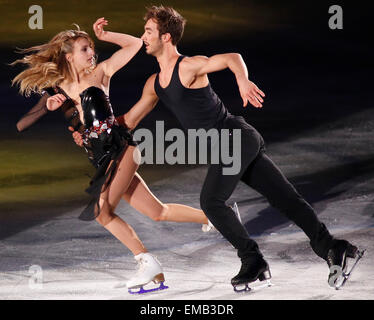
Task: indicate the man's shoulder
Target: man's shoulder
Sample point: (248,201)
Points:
(152,77)
(194,59)
(193,62)
(149,84)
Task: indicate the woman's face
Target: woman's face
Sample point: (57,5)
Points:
(83,55)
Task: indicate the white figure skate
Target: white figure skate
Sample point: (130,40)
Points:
(237,213)
(149,270)
(210,227)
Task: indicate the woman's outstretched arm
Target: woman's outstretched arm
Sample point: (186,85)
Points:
(130,45)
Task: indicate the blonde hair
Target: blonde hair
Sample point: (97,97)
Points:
(48,66)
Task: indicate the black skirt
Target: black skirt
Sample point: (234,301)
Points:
(102,150)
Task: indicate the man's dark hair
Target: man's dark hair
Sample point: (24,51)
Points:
(168,21)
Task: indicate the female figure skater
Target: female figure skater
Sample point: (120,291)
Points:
(65,71)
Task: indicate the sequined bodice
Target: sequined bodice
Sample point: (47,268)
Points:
(99,120)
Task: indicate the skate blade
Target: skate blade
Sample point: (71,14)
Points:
(252,288)
(340,282)
(142,290)
(245,287)
(156,279)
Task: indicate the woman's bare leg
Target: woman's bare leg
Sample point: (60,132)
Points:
(143,200)
(110,198)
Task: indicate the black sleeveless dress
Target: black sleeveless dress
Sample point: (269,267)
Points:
(103,139)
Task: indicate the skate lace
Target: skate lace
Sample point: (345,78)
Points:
(141,266)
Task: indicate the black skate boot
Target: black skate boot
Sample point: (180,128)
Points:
(337,261)
(253,268)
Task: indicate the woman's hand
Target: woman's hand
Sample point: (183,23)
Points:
(129,47)
(98,28)
(54,102)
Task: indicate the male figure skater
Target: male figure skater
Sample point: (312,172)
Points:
(183,86)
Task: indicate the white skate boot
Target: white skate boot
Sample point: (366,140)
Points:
(149,270)
(210,227)
(237,213)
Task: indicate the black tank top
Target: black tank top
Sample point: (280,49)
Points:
(194,108)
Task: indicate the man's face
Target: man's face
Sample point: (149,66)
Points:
(151,38)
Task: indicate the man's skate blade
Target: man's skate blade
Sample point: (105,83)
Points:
(340,282)
(142,290)
(345,277)
(252,287)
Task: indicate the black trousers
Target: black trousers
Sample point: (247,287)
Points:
(260,173)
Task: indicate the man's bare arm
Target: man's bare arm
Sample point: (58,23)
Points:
(140,109)
(202,65)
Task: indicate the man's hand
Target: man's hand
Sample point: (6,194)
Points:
(77,137)
(250,92)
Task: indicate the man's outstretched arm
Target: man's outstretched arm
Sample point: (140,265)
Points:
(249,92)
